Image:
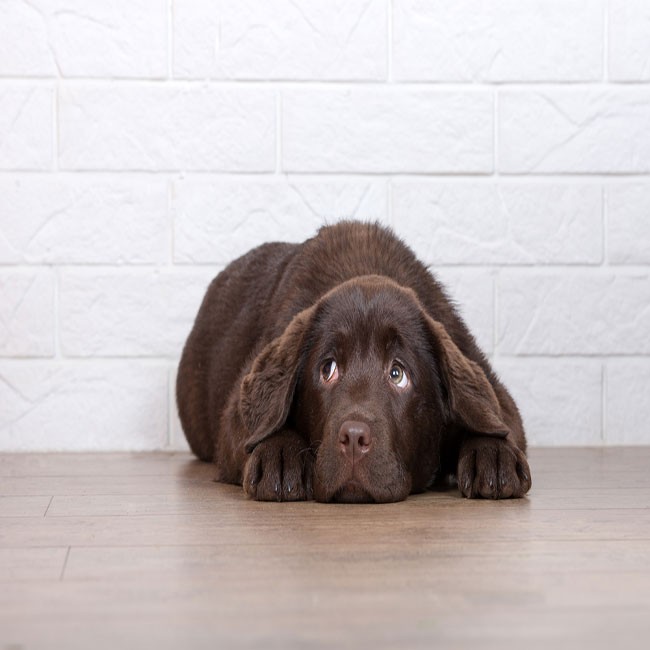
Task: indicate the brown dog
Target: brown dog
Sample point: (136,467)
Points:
(338,369)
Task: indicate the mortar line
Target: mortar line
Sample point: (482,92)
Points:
(338,83)
(389,45)
(495,323)
(170,39)
(440,177)
(163,361)
(605,224)
(603,397)
(606,41)
(55,127)
(170,222)
(278,132)
(187,269)
(495,133)
(170,406)
(57,311)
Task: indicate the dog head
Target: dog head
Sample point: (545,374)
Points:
(373,382)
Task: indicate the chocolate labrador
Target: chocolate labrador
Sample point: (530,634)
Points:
(339,370)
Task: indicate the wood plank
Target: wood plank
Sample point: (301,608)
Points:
(18,564)
(588,457)
(26,475)
(250,522)
(147,551)
(603,459)
(100,464)
(102,484)
(174,614)
(203,477)
(208,500)
(23,506)
(237,564)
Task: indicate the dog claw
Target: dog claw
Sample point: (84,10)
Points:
(499,469)
(277,472)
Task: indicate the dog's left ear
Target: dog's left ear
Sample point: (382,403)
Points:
(267,390)
(471,399)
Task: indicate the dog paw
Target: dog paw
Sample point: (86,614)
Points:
(492,469)
(279,469)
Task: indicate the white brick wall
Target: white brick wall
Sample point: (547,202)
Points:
(146,143)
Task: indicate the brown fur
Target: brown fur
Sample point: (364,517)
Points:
(253,396)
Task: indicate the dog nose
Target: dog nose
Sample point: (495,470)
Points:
(355,439)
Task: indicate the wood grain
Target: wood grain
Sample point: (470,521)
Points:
(146,550)
(24,506)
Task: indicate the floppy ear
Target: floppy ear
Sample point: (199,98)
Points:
(267,390)
(472,401)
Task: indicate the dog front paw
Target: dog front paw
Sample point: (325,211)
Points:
(492,468)
(279,469)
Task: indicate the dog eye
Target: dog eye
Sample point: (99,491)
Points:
(329,370)
(398,376)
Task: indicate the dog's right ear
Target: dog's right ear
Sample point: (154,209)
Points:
(267,390)
(470,397)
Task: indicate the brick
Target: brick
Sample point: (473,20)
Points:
(218,221)
(94,407)
(629,40)
(46,219)
(560,400)
(627,407)
(500,224)
(75,38)
(628,209)
(472,291)
(575,131)
(25,127)
(497,40)
(166,127)
(247,39)
(24,41)
(26,313)
(574,312)
(388,129)
(129,312)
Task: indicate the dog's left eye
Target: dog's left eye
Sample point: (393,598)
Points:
(329,371)
(398,376)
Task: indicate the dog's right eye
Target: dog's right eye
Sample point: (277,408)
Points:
(329,370)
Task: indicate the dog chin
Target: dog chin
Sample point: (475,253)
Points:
(352,492)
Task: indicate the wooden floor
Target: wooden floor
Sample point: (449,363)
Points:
(146,551)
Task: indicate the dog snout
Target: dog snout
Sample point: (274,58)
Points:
(355,439)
